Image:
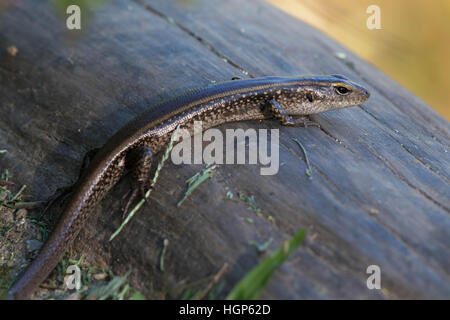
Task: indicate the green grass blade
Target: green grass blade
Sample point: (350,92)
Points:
(252,285)
(152,184)
(197,179)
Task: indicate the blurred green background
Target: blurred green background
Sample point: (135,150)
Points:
(413,46)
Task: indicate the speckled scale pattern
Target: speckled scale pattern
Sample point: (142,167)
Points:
(226,102)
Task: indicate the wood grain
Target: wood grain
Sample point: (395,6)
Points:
(380,188)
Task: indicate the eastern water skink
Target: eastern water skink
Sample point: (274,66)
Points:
(238,100)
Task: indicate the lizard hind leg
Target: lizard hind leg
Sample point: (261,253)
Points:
(140,176)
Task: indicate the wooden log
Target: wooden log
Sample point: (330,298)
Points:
(379,193)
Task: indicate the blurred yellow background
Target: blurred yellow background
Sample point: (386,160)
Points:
(413,46)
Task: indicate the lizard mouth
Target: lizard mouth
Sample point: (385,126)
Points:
(363,94)
(366,94)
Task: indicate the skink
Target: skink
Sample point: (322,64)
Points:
(238,100)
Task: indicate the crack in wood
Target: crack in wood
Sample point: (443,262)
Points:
(360,206)
(402,178)
(424,163)
(196,37)
(336,139)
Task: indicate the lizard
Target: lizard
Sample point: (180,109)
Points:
(262,98)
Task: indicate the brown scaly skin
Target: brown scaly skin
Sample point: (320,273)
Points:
(239,100)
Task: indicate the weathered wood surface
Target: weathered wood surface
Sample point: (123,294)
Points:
(380,189)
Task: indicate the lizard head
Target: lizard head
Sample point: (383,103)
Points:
(340,92)
(316,94)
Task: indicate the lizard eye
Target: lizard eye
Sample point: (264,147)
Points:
(342,90)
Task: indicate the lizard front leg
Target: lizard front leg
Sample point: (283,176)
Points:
(280,114)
